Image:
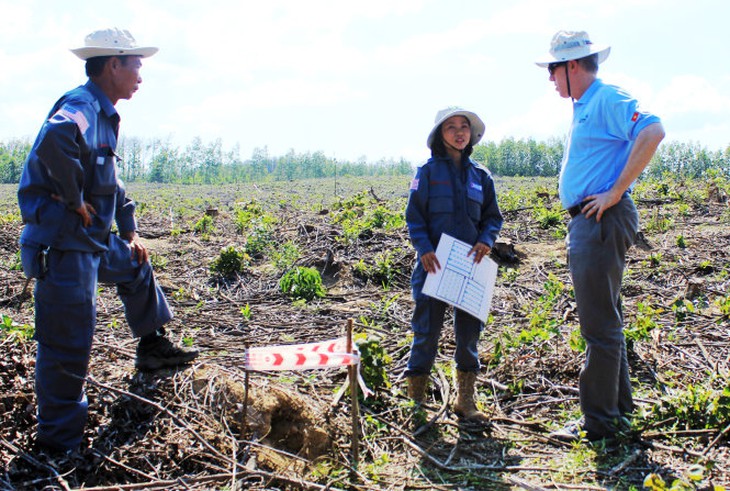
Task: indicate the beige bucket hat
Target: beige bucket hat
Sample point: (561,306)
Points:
(477,125)
(572,45)
(112,42)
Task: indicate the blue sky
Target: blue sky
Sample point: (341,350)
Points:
(365,79)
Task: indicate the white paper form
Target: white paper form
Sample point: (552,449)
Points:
(460,281)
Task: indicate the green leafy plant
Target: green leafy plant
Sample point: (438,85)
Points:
(158,261)
(692,479)
(547,217)
(576,341)
(259,241)
(681,307)
(383,271)
(655,259)
(645,321)
(285,255)
(230,261)
(510,275)
(9,327)
(302,283)
(542,322)
(246,312)
(705,267)
(204,226)
(361,214)
(15,264)
(700,406)
(374,361)
(251,215)
(681,242)
(658,223)
(723,304)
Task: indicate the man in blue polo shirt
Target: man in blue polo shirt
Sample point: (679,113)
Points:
(611,142)
(69,198)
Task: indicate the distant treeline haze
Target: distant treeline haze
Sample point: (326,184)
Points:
(208,163)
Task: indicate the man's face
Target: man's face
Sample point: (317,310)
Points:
(126,76)
(557,73)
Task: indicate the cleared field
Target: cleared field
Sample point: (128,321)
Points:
(186,429)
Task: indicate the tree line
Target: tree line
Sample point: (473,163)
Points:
(199,162)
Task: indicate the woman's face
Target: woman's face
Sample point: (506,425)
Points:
(456,132)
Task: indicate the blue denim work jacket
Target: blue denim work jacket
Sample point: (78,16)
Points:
(461,203)
(73,161)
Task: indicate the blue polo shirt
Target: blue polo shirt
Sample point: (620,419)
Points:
(606,122)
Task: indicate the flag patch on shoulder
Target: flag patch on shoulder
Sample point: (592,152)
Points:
(475,185)
(414,184)
(67,113)
(635,116)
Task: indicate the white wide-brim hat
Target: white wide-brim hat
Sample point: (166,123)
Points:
(112,42)
(572,45)
(477,125)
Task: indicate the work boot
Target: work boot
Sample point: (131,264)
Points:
(465,407)
(155,351)
(417,385)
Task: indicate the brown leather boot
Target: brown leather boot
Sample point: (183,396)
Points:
(465,407)
(417,385)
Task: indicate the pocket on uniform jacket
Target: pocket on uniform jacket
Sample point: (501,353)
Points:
(474,209)
(105,176)
(438,204)
(31,261)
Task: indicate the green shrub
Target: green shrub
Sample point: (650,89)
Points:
(230,261)
(302,283)
(259,241)
(285,255)
(374,361)
(698,406)
(8,327)
(251,215)
(204,226)
(384,271)
(548,217)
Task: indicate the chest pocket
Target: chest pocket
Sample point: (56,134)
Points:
(105,175)
(440,198)
(474,200)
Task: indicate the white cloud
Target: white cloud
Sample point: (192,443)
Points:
(547,117)
(694,94)
(380,69)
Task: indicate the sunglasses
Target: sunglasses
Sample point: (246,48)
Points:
(554,66)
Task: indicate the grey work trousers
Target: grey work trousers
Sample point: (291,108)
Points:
(596,258)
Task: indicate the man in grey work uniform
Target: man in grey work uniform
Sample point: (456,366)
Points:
(610,143)
(69,198)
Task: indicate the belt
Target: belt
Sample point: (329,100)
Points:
(574,210)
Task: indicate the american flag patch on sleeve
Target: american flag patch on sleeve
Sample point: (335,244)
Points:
(67,113)
(414,184)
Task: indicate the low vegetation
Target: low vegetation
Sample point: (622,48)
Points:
(284,262)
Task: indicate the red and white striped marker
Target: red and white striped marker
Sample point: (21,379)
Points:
(324,354)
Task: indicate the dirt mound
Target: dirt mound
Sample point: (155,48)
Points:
(286,426)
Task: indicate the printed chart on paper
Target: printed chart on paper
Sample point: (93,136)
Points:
(460,281)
